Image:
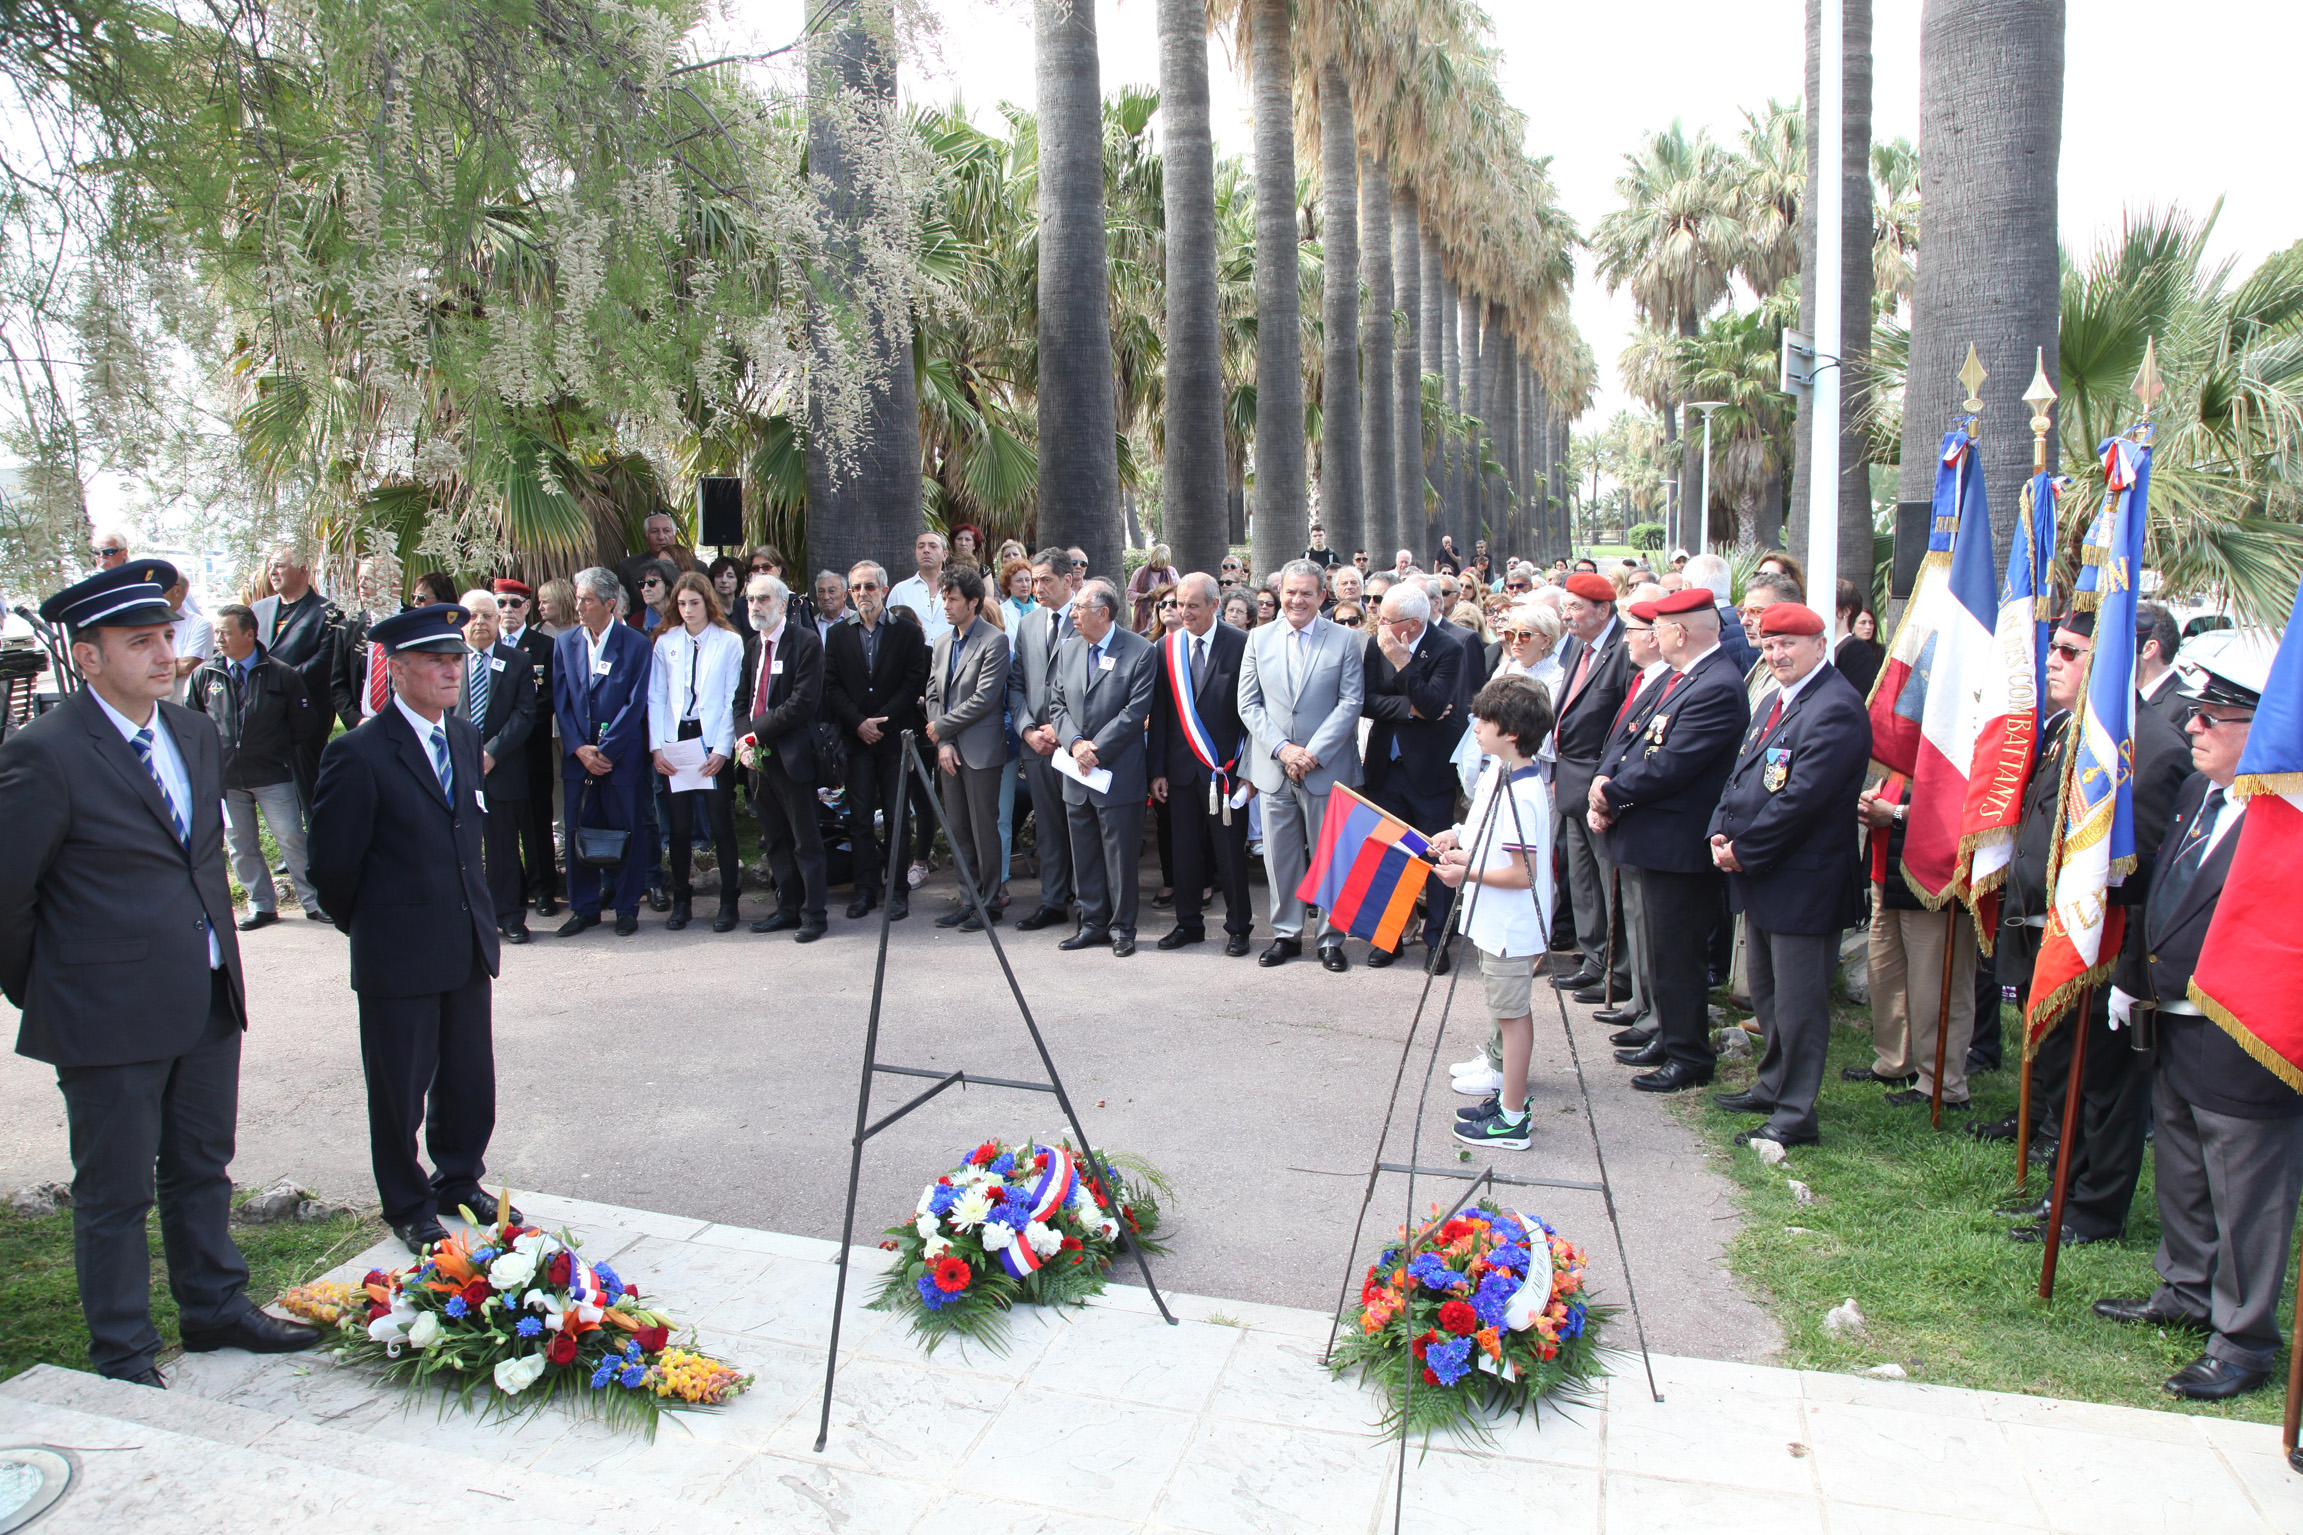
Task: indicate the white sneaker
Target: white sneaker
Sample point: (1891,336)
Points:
(1465,1068)
(917,875)
(1478,1084)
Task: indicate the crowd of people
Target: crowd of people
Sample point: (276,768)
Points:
(1639,784)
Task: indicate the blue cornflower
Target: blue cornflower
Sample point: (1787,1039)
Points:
(484,1255)
(1495,1293)
(1434,1272)
(530,1327)
(610,1285)
(602,1375)
(456,1307)
(1003,1164)
(942,1200)
(934,1296)
(632,1376)
(1571,1325)
(1014,1214)
(1389,1257)
(1507,1227)
(1449,1360)
(1512,1258)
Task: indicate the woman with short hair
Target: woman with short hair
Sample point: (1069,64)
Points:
(1155,572)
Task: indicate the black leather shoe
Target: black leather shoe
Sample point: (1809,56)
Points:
(1866,1074)
(1649,1054)
(318,916)
(1674,1077)
(627,923)
(777,922)
(1123,944)
(683,913)
(811,929)
(485,1207)
(1281,951)
(1745,1102)
(256,1332)
(516,935)
(1443,961)
(1046,916)
(1616,1016)
(255,920)
(1235,945)
(2037,1233)
(659,899)
(1086,938)
(1912,1097)
(1588,995)
(1769,1133)
(2138,1308)
(2032,1210)
(1185,935)
(955,916)
(148,1376)
(578,922)
(1632,1039)
(899,906)
(1332,958)
(420,1234)
(724,920)
(1381,959)
(546,906)
(1578,979)
(2209,1379)
(1995,1129)
(862,905)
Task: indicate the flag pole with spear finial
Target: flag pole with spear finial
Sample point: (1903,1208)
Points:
(2041,398)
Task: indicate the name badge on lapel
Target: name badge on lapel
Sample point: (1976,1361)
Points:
(775,668)
(480,800)
(1775,768)
(1106,663)
(495,663)
(603,667)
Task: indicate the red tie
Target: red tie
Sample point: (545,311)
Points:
(1773,715)
(767,660)
(1574,691)
(379,689)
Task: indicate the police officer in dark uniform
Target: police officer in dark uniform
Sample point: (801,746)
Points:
(396,855)
(2108,1157)
(116,942)
(1653,798)
(2227,1158)
(1783,834)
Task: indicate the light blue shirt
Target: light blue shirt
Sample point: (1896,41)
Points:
(175,781)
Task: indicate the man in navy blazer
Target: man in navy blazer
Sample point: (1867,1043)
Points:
(778,698)
(1414,693)
(1209,653)
(1653,798)
(396,857)
(600,694)
(1783,836)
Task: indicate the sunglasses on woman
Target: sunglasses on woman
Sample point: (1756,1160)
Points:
(1515,636)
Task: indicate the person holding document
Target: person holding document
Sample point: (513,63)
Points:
(1104,680)
(692,731)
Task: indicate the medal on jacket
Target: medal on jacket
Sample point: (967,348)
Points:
(1655,730)
(1775,771)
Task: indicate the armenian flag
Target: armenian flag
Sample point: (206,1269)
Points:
(1367,870)
(2245,978)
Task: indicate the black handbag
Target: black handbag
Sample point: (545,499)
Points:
(601,847)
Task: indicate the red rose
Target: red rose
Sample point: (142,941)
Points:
(1458,1318)
(376,1276)
(378,1311)
(562,1348)
(952,1275)
(653,1339)
(1419,1345)
(476,1293)
(561,1267)
(631,1290)
(986,1154)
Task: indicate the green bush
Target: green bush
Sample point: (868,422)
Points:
(1646,535)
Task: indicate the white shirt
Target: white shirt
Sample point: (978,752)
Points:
(196,637)
(596,650)
(2157,685)
(424,728)
(695,677)
(1697,659)
(175,781)
(1791,693)
(914,593)
(1501,921)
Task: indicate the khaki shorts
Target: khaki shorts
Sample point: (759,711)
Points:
(1510,984)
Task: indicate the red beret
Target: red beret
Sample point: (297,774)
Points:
(1692,599)
(1644,611)
(1591,588)
(504,584)
(1789,618)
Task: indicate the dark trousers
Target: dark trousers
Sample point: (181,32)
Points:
(1591,892)
(1199,836)
(972,803)
(875,783)
(1055,838)
(1107,847)
(2227,1189)
(787,810)
(431,1063)
(1791,994)
(1429,809)
(500,832)
(604,802)
(1676,912)
(2114,1104)
(716,808)
(156,1128)
(539,877)
(1985,1051)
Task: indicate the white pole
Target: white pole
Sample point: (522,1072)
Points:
(1703,518)
(1830,194)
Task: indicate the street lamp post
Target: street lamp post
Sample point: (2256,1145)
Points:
(1703,515)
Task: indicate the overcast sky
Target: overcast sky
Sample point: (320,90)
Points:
(2161,104)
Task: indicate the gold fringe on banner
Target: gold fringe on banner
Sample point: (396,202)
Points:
(2248,785)
(2271,1060)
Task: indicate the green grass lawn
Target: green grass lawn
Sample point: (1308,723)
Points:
(40,1300)
(1903,1222)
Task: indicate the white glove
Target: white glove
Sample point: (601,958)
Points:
(2122,1005)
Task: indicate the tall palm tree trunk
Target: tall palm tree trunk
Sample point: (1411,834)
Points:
(1432,362)
(1078,420)
(870,507)
(1495,371)
(1280,526)
(1475,406)
(1691,459)
(1379,438)
(1342,502)
(1453,516)
(1195,519)
(1990,134)
(1407,371)
(1855,283)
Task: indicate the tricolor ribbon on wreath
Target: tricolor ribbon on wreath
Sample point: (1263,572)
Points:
(1219,784)
(1055,1186)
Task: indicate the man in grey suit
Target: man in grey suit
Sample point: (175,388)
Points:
(1300,689)
(967,693)
(1031,700)
(116,941)
(1104,681)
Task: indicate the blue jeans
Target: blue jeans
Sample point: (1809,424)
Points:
(1010,777)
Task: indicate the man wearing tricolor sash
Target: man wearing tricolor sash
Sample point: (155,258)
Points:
(1196,742)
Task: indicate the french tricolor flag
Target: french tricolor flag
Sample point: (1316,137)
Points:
(2008,740)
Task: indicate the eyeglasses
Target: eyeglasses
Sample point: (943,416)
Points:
(105,554)
(2070,652)
(1167,605)
(507,600)
(651,581)
(1515,586)
(2211,721)
(1515,636)
(865,586)
(1639,628)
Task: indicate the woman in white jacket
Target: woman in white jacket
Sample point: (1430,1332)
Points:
(692,696)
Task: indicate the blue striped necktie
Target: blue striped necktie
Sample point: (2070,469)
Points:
(476,691)
(440,764)
(142,741)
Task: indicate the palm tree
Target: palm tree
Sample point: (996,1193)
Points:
(1379,480)
(1773,175)
(1735,360)
(1435,365)
(1895,228)
(1078,416)
(1407,367)
(1280,525)
(1342,505)
(1193,467)
(1990,137)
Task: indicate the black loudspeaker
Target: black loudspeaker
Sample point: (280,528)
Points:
(719,510)
(1911,529)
